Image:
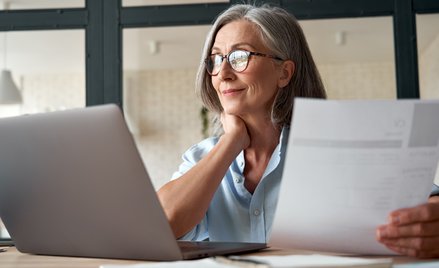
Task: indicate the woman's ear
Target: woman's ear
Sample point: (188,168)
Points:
(286,73)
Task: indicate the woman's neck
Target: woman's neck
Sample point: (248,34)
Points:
(264,136)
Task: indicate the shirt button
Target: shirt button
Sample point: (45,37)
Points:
(256,212)
(241,164)
(238,179)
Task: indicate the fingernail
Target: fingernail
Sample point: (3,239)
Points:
(382,232)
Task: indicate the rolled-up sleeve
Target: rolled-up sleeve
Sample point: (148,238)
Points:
(190,158)
(435,190)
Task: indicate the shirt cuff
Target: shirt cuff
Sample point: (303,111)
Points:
(434,191)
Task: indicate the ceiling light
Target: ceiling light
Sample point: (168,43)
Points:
(153,47)
(340,38)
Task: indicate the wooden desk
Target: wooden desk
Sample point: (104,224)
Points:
(14,259)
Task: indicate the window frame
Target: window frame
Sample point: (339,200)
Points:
(104,21)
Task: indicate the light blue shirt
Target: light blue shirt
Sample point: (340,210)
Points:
(435,190)
(235,214)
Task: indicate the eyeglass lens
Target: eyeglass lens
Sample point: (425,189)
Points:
(237,59)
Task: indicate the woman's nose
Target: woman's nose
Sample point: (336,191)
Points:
(226,71)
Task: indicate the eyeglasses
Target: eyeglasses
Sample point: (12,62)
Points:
(238,60)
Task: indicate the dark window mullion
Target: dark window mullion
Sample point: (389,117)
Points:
(327,9)
(43,19)
(175,15)
(94,54)
(112,52)
(406,54)
(426,6)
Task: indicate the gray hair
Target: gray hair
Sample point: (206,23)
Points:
(282,34)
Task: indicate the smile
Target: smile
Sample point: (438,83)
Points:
(229,92)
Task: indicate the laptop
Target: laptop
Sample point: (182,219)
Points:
(72,183)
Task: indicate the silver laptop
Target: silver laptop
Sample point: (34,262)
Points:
(72,183)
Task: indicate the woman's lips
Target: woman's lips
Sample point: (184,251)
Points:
(231,91)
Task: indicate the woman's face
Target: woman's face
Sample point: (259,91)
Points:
(251,92)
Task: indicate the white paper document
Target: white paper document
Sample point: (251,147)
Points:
(319,261)
(348,165)
(288,261)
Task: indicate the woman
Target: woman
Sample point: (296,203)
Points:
(255,61)
(227,187)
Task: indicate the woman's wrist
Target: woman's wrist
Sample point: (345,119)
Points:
(237,143)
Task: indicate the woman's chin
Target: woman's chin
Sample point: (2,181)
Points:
(231,112)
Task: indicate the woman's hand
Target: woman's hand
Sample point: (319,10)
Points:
(235,127)
(413,231)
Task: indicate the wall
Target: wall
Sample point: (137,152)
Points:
(374,80)
(50,92)
(429,71)
(164,113)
